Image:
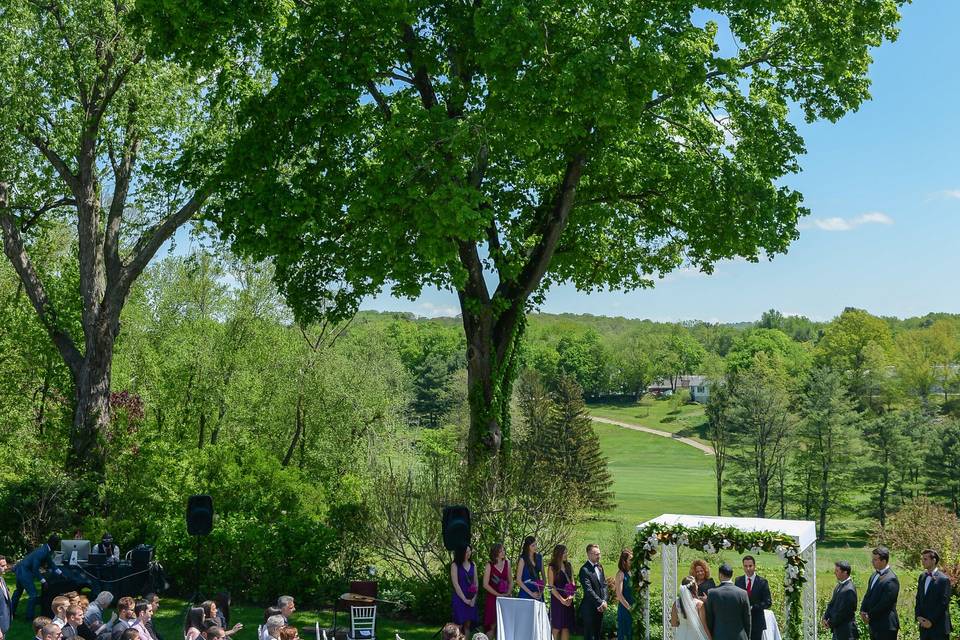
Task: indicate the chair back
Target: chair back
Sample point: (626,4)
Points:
(363,621)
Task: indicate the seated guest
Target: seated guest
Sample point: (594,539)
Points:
(125,618)
(154,601)
(50,632)
(286,606)
(700,571)
(59,606)
(107,548)
(268,613)
(480,636)
(38,624)
(451,631)
(143,612)
(83,630)
(289,632)
(130,634)
(193,626)
(95,612)
(74,618)
(223,609)
(271,629)
(212,612)
(72,596)
(212,631)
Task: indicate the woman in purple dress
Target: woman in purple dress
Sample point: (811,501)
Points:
(562,586)
(463,577)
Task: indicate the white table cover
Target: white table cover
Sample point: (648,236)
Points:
(773,631)
(522,619)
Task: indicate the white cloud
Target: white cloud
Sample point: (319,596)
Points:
(846,224)
(430,310)
(950,194)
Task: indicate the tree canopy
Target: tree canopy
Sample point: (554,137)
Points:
(501,148)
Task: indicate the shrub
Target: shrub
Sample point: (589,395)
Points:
(951,408)
(668,419)
(918,525)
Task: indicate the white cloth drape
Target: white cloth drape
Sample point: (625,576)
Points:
(773,631)
(522,619)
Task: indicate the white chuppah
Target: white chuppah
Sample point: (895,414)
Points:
(522,619)
(802,532)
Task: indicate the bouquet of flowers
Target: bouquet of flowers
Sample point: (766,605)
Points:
(499,585)
(568,589)
(472,589)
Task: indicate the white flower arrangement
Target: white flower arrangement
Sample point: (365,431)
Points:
(645,574)
(683,540)
(781,552)
(756,549)
(726,544)
(709,548)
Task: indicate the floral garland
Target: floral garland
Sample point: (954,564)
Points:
(712,538)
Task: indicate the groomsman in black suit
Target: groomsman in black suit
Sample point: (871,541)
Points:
(594,603)
(841,614)
(879,606)
(933,599)
(758,591)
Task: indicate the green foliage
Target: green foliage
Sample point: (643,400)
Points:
(793,358)
(826,440)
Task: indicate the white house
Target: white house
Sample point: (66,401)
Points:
(699,387)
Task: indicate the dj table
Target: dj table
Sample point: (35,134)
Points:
(121,579)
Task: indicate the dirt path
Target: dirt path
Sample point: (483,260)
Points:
(707,449)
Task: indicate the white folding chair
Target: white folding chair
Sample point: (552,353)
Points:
(363,622)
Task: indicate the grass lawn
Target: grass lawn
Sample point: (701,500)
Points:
(686,419)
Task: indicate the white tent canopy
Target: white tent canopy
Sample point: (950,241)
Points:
(804,532)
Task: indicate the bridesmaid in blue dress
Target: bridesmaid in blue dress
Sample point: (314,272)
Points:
(624,597)
(530,571)
(463,578)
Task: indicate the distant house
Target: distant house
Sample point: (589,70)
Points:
(699,387)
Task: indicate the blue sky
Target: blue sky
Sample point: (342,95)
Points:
(883,187)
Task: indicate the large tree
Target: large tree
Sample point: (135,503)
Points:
(94,132)
(498,149)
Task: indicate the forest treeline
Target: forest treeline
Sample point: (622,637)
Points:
(308,436)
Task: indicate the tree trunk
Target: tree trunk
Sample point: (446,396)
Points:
(492,346)
(297,432)
(91,417)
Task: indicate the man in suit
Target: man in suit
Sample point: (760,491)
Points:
(5,609)
(125,617)
(728,609)
(28,570)
(758,592)
(840,616)
(73,621)
(932,608)
(594,603)
(879,606)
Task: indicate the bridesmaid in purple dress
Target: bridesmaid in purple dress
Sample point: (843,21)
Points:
(463,578)
(559,574)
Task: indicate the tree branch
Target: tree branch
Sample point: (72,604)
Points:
(123,174)
(74,58)
(552,227)
(54,159)
(716,73)
(44,208)
(154,237)
(14,249)
(421,79)
(380,99)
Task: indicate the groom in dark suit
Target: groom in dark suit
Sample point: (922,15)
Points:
(841,614)
(728,609)
(758,592)
(933,599)
(594,585)
(879,606)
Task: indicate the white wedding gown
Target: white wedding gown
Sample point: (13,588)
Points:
(690,627)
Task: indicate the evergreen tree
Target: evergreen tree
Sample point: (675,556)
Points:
(826,437)
(574,448)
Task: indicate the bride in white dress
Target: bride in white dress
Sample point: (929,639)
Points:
(689,615)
